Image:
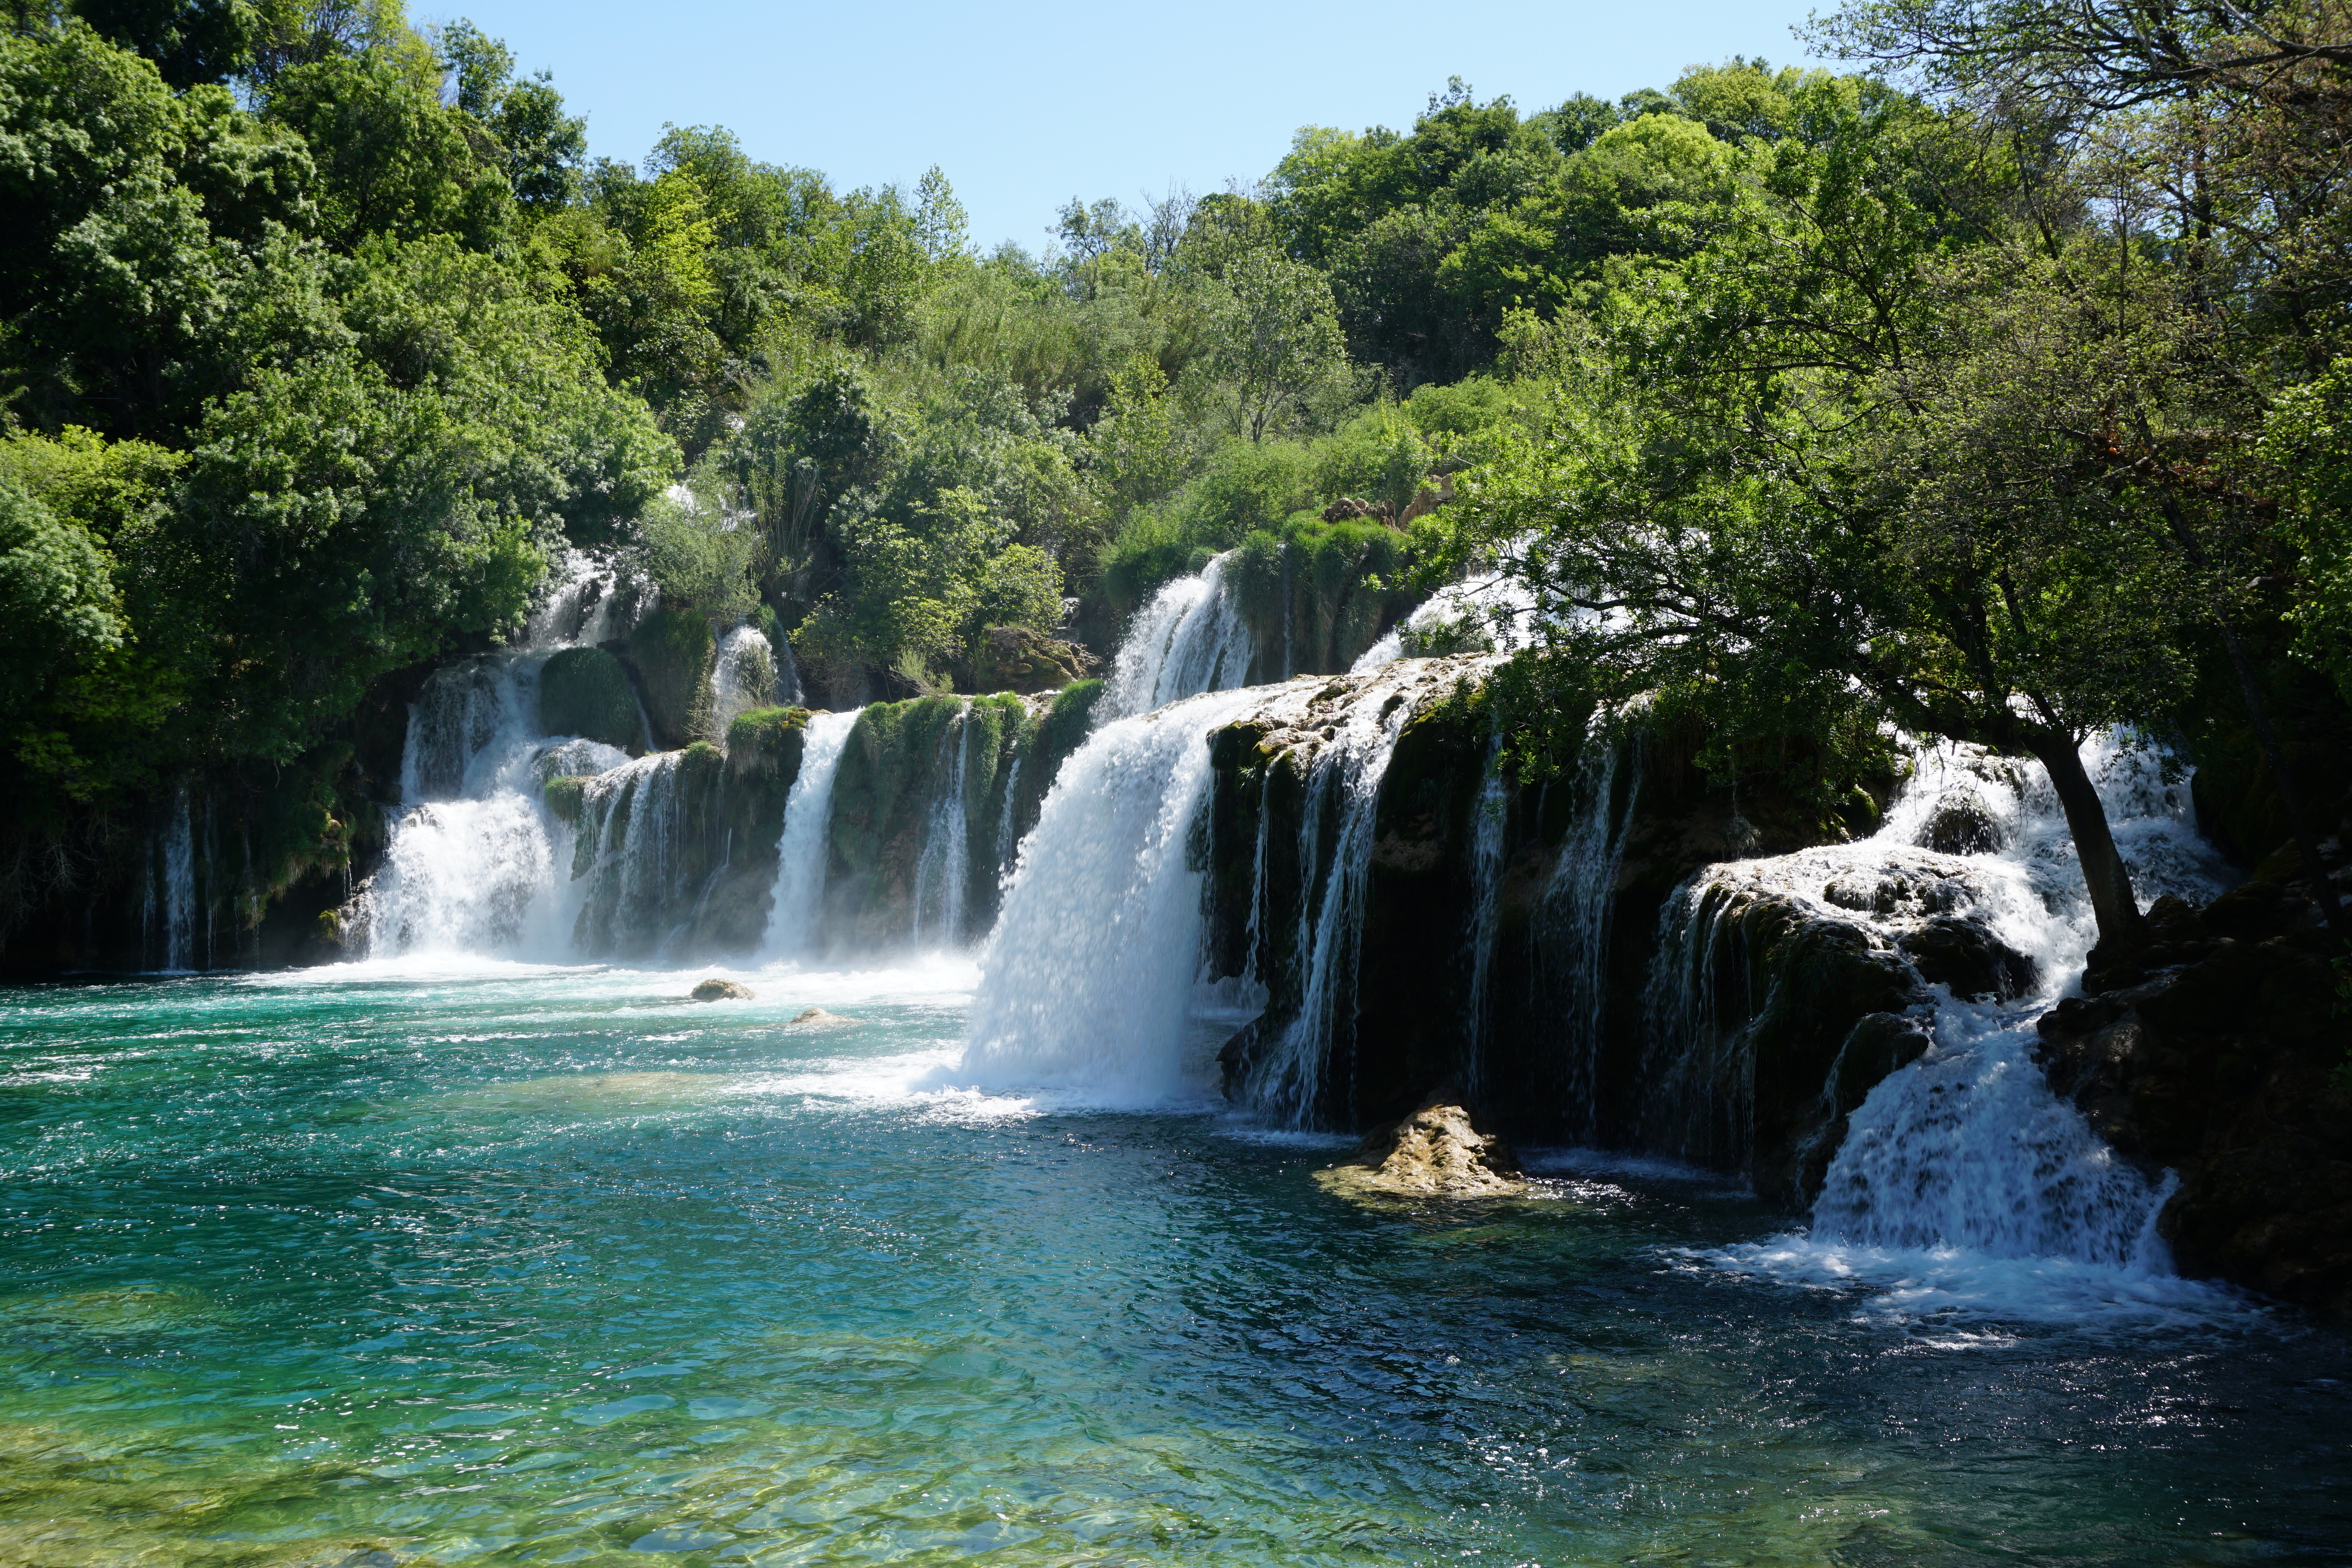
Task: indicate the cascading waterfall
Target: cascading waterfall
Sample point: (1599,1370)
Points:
(625,862)
(742,676)
(473,862)
(1191,638)
(1489,611)
(1346,772)
(1489,816)
(944,873)
(1086,981)
(1572,924)
(796,908)
(175,922)
(1968,1147)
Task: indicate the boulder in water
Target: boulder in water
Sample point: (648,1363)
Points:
(715,989)
(1436,1152)
(817,1018)
(1961,824)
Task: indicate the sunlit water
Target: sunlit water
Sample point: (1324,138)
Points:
(373,1266)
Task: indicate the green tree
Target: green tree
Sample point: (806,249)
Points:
(1281,348)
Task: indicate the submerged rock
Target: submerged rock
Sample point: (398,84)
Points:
(817,1018)
(718,990)
(1436,1152)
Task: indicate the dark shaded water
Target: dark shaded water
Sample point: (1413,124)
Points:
(523,1266)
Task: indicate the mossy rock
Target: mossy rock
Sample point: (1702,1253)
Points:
(674,652)
(585,691)
(758,739)
(562,797)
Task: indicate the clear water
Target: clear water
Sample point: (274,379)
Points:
(374,1265)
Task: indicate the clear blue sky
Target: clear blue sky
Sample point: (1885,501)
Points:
(1025,106)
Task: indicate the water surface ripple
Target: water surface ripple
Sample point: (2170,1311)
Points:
(372,1266)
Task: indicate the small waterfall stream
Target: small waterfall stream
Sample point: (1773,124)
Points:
(943,874)
(1087,982)
(796,908)
(1190,638)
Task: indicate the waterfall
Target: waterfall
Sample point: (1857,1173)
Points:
(796,908)
(788,672)
(1486,612)
(1086,981)
(627,861)
(1346,770)
(1489,816)
(179,878)
(1573,919)
(742,676)
(1191,638)
(944,873)
(1967,1147)
(473,863)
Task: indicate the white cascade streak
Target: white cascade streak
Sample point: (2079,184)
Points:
(1348,770)
(1191,638)
(943,872)
(1574,920)
(796,908)
(742,676)
(1087,982)
(180,887)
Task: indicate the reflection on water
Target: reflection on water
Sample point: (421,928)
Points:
(508,1265)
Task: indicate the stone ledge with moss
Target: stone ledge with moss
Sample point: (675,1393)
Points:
(586,691)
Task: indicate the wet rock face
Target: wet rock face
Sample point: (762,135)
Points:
(1961,824)
(2213,1050)
(1962,954)
(1436,1152)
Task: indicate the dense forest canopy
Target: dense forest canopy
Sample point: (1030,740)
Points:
(1989,389)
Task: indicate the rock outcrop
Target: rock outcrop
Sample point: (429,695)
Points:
(1436,1152)
(715,989)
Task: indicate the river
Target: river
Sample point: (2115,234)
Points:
(433,1261)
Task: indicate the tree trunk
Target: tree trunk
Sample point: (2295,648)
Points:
(2104,872)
